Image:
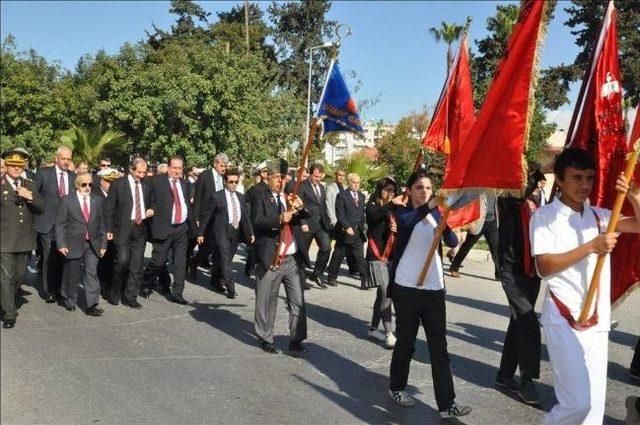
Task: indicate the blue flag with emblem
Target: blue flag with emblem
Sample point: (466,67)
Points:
(337,109)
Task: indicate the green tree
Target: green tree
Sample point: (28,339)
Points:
(32,106)
(368,170)
(92,144)
(585,17)
(449,33)
(188,12)
(296,27)
(230,29)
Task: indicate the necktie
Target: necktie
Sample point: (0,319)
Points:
(62,190)
(234,210)
(318,193)
(138,207)
(85,213)
(281,208)
(355,197)
(176,204)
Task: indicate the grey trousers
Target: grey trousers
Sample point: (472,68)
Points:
(12,268)
(268,286)
(83,269)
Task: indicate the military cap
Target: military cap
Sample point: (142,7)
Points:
(260,167)
(16,156)
(108,174)
(277,166)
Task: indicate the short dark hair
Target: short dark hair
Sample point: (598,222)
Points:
(415,176)
(577,158)
(176,158)
(234,171)
(380,185)
(106,159)
(316,166)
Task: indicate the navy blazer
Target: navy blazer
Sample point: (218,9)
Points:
(47,185)
(71,226)
(350,215)
(318,215)
(406,220)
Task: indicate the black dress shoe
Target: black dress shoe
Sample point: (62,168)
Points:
(232,295)
(49,299)
(332,281)
(269,347)
(114,302)
(178,299)
(145,293)
(306,286)
(9,323)
(297,348)
(318,281)
(95,311)
(133,304)
(219,289)
(70,307)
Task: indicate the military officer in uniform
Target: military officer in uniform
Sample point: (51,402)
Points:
(19,203)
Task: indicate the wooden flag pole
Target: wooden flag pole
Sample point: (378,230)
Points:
(313,129)
(632,160)
(436,241)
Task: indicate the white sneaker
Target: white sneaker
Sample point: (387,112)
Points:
(402,398)
(377,334)
(390,340)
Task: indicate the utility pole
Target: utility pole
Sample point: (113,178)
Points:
(246,23)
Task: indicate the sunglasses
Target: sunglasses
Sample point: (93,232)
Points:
(86,184)
(232,181)
(105,165)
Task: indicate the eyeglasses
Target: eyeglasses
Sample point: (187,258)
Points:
(232,181)
(104,165)
(86,184)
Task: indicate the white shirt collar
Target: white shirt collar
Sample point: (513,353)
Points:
(565,209)
(58,170)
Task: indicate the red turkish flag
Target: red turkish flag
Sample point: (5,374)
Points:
(452,120)
(600,130)
(492,155)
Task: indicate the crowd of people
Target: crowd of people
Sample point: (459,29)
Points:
(89,230)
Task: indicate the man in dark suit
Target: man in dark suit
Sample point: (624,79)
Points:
(318,225)
(172,213)
(126,220)
(104,178)
(81,237)
(259,187)
(52,183)
(268,215)
(209,181)
(18,205)
(227,216)
(351,234)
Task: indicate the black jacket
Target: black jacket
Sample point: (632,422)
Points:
(266,227)
(378,225)
(119,206)
(161,202)
(205,186)
(318,216)
(47,185)
(216,214)
(71,226)
(350,215)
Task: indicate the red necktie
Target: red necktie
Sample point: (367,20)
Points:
(85,213)
(138,207)
(62,190)
(176,204)
(355,198)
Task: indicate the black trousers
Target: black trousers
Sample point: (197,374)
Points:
(339,251)
(225,249)
(522,341)
(127,270)
(52,263)
(13,265)
(635,363)
(207,247)
(413,307)
(324,249)
(105,269)
(177,243)
(490,232)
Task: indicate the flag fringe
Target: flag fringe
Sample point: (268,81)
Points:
(477,190)
(628,292)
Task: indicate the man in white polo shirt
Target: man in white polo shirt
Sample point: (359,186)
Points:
(567,236)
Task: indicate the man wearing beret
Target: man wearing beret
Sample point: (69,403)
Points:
(19,203)
(272,221)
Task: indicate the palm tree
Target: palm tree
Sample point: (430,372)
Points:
(450,33)
(90,144)
(367,169)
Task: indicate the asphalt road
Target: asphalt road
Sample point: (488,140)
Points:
(199,364)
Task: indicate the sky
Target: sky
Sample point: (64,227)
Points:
(390,49)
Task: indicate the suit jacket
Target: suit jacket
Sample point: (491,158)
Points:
(205,185)
(350,215)
(71,226)
(46,183)
(17,216)
(266,227)
(216,216)
(318,216)
(161,202)
(119,206)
